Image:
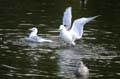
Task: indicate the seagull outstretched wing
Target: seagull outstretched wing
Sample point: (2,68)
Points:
(78,25)
(67,18)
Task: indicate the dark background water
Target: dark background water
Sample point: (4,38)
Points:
(99,48)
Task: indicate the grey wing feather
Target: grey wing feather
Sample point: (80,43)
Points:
(33,39)
(67,17)
(78,25)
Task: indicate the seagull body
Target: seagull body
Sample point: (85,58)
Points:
(82,70)
(64,34)
(71,33)
(33,37)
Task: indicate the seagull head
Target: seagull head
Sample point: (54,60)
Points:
(34,29)
(34,32)
(81,63)
(62,27)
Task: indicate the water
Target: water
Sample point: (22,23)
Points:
(99,48)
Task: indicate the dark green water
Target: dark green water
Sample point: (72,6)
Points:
(99,48)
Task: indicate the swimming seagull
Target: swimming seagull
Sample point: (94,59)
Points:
(70,33)
(82,70)
(33,37)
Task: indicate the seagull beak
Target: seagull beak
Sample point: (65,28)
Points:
(59,29)
(30,29)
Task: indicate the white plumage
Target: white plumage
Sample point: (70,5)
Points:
(67,18)
(82,70)
(70,34)
(33,37)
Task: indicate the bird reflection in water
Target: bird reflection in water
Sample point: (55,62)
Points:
(82,71)
(83,4)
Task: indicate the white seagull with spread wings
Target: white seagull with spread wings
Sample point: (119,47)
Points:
(33,37)
(70,33)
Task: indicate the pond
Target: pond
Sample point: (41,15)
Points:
(99,48)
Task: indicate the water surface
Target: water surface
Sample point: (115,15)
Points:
(99,48)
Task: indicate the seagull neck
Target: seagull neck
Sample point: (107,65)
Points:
(33,34)
(64,29)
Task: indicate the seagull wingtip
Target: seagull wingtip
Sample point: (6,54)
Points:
(97,16)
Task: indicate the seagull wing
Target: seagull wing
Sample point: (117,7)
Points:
(33,39)
(36,38)
(77,27)
(67,17)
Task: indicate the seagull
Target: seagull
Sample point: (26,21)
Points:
(82,70)
(69,34)
(33,37)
